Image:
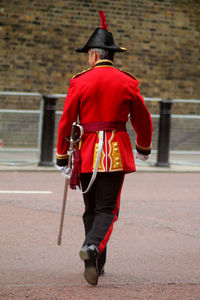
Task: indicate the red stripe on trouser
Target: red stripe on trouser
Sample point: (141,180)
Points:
(116,209)
(114,212)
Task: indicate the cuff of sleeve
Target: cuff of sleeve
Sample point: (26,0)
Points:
(61,160)
(143,150)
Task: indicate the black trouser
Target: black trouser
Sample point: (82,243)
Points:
(101,208)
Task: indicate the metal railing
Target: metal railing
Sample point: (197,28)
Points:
(40,112)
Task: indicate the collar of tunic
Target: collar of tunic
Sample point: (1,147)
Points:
(103,63)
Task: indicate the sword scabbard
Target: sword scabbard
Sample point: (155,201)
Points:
(63,211)
(73,142)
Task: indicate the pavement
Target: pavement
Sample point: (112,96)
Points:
(153,253)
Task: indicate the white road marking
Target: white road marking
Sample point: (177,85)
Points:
(26,192)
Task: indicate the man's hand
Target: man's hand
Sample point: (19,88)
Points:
(65,170)
(141,156)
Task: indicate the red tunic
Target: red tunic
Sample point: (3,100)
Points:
(105,94)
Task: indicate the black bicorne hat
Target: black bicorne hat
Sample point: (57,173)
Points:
(101,38)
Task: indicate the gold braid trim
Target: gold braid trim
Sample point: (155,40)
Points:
(81,73)
(129,74)
(61,156)
(143,148)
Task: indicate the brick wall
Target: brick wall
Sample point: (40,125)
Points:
(38,39)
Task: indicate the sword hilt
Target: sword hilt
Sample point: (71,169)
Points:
(77,132)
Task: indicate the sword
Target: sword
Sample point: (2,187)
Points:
(74,139)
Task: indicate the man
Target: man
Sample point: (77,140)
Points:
(103,97)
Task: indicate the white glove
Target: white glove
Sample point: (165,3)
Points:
(142,157)
(65,170)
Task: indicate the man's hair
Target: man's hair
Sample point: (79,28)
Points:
(104,53)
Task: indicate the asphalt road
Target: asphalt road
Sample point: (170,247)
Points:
(153,253)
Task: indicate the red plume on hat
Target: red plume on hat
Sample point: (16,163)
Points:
(103,20)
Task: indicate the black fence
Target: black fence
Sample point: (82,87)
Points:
(35,130)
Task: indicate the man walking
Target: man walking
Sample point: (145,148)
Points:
(103,97)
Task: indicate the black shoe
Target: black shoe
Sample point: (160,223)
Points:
(102,261)
(90,256)
(101,271)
